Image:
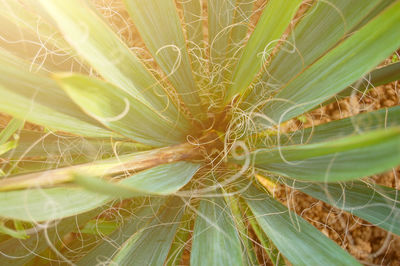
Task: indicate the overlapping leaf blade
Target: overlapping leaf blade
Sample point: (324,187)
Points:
(106,249)
(43,204)
(41,145)
(37,98)
(297,240)
(13,126)
(324,24)
(93,39)
(343,159)
(192,13)
(354,125)
(215,235)
(376,204)
(20,252)
(340,67)
(120,111)
(161,30)
(261,43)
(150,246)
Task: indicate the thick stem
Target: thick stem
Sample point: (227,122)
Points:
(124,164)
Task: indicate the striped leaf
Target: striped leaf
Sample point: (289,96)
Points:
(161,30)
(340,67)
(376,204)
(44,204)
(120,111)
(338,160)
(297,240)
(265,37)
(94,40)
(150,245)
(215,240)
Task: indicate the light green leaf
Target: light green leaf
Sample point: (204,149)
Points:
(13,126)
(354,125)
(120,111)
(108,167)
(160,28)
(161,180)
(37,98)
(19,234)
(192,14)
(182,238)
(105,250)
(249,253)
(343,159)
(41,144)
(37,205)
(215,240)
(379,7)
(20,252)
(220,18)
(297,240)
(98,227)
(30,34)
(380,76)
(150,246)
(376,204)
(340,67)
(5,147)
(325,24)
(265,37)
(43,204)
(94,40)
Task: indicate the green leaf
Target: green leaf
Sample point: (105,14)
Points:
(38,99)
(379,7)
(13,126)
(160,28)
(215,240)
(37,38)
(192,14)
(273,253)
(98,227)
(340,67)
(107,167)
(269,29)
(19,234)
(376,204)
(249,253)
(41,145)
(354,125)
(220,18)
(43,204)
(7,146)
(297,240)
(37,205)
(380,76)
(94,40)
(108,247)
(150,245)
(343,159)
(161,180)
(324,24)
(182,237)
(20,252)
(237,40)
(120,111)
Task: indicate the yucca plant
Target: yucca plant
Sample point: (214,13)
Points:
(140,157)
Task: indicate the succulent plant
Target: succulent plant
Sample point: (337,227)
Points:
(144,152)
